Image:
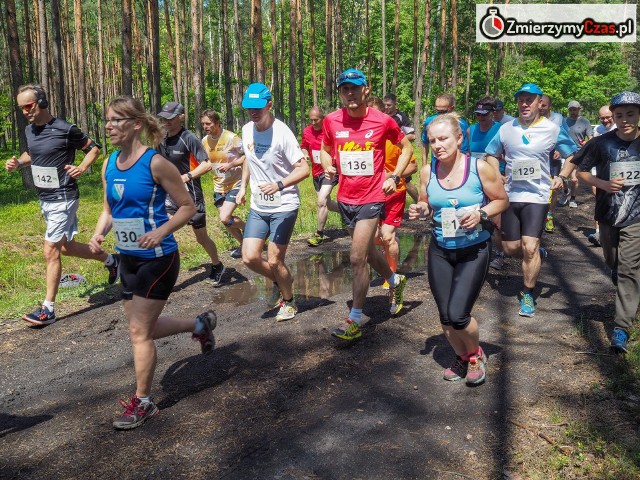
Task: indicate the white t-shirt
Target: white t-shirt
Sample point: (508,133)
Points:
(271,156)
(601,129)
(526,152)
(506,119)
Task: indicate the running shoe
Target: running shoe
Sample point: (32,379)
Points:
(315,240)
(563,198)
(614,277)
(205,324)
(543,254)
(619,340)
(397,296)
(217,275)
(457,370)
(135,413)
(527,305)
(275,298)
(573,204)
(594,238)
(287,311)
(549,226)
(498,261)
(477,371)
(114,269)
(349,331)
(72,280)
(40,316)
(236,252)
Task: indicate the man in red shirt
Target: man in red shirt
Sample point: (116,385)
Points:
(356,136)
(311,143)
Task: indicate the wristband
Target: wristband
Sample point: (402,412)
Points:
(189,176)
(280,185)
(395,178)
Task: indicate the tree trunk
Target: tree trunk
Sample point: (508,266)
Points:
(383,13)
(27,38)
(338,36)
(368,33)
(238,60)
(153,34)
(257,40)
(454,37)
(300,62)
(101,81)
(274,57)
(42,46)
(196,14)
(415,48)
(328,71)
(82,90)
(15,67)
(443,45)
(138,51)
(127,80)
(226,64)
(417,113)
(467,86)
(60,108)
(172,53)
(396,48)
(292,66)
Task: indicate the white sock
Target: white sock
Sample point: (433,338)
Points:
(109,261)
(49,305)
(144,400)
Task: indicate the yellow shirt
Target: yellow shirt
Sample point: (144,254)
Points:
(223,149)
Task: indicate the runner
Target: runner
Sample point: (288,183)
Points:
(276,165)
(51,151)
(394,203)
(580,131)
(136,182)
(311,143)
(390,102)
(462,193)
(616,158)
(526,146)
(445,103)
(356,135)
(556,161)
(499,115)
(480,134)
(225,154)
(182,148)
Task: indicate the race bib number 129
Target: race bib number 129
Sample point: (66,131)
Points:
(526,170)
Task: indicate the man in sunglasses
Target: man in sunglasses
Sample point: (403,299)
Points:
(445,103)
(51,151)
(356,137)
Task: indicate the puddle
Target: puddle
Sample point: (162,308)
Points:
(319,276)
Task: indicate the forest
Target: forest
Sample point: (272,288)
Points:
(204,53)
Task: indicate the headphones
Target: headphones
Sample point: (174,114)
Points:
(41,97)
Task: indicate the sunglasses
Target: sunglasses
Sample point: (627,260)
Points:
(116,121)
(482,114)
(27,106)
(441,112)
(349,76)
(605,118)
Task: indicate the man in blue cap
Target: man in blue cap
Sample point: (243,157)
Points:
(525,145)
(615,156)
(356,137)
(275,165)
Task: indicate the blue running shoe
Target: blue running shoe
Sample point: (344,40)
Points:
(619,340)
(543,254)
(527,305)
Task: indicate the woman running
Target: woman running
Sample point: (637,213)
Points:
(462,193)
(136,182)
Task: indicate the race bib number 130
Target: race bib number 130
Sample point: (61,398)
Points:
(127,232)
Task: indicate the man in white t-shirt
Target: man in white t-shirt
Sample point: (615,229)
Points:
(526,145)
(275,165)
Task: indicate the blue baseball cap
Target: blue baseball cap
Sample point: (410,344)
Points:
(529,88)
(351,75)
(257,95)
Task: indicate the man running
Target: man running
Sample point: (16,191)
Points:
(225,154)
(580,131)
(526,146)
(311,144)
(445,103)
(390,102)
(51,151)
(275,165)
(356,136)
(616,158)
(499,115)
(182,148)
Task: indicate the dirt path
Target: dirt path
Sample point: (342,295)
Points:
(285,401)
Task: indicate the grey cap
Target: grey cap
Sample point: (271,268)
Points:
(625,98)
(574,104)
(171,110)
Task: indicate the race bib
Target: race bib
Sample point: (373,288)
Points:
(356,164)
(127,232)
(526,170)
(45,177)
(315,154)
(215,169)
(450,219)
(267,200)
(628,171)
(481,155)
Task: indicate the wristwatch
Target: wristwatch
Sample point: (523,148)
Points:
(280,185)
(395,178)
(483,216)
(189,176)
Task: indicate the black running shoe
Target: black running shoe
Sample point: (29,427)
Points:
(216,276)
(205,324)
(114,269)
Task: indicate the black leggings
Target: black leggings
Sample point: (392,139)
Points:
(456,277)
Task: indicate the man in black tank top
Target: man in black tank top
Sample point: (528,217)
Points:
(51,149)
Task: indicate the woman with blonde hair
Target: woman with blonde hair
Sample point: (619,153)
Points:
(136,182)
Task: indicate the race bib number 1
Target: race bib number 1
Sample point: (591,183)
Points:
(628,171)
(45,177)
(215,169)
(316,156)
(355,164)
(450,219)
(127,232)
(526,170)
(267,200)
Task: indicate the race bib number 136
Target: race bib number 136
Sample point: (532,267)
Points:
(355,164)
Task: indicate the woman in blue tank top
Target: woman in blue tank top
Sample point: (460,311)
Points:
(136,180)
(462,193)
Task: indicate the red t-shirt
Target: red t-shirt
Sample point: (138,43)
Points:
(311,142)
(359,152)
